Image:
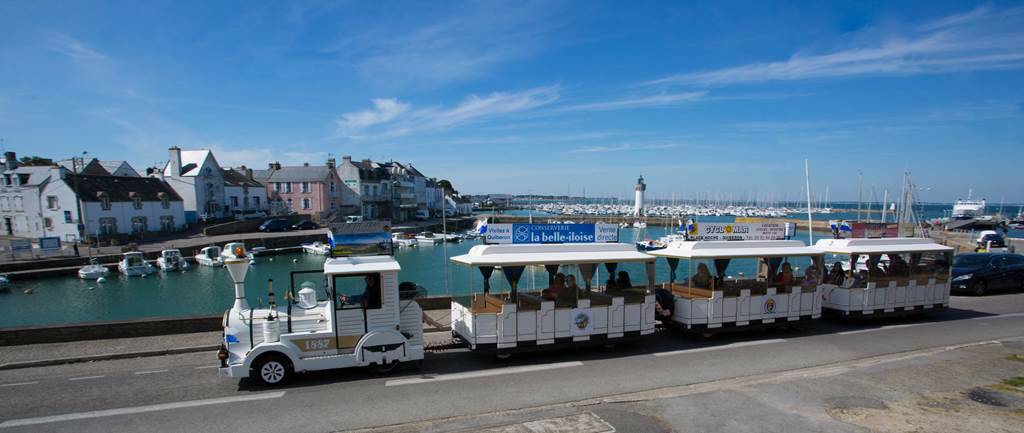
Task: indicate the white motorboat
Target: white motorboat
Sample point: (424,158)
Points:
(429,238)
(453,237)
(228,252)
(318,248)
(403,240)
(134,264)
(171,260)
(639,224)
(93,271)
(210,256)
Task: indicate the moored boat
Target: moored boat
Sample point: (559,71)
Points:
(171,260)
(210,256)
(134,264)
(318,248)
(93,271)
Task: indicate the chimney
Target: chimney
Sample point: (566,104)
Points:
(346,158)
(11,160)
(174,160)
(276,165)
(248,173)
(305,164)
(270,165)
(330,162)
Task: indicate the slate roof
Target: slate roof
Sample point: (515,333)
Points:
(37,174)
(120,189)
(113,165)
(93,167)
(234,177)
(301,173)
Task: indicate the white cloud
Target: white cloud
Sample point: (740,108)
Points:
(624,148)
(660,100)
(391,118)
(74,48)
(981,39)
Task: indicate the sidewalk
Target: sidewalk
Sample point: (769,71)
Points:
(34,355)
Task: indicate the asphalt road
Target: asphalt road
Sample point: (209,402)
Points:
(182,393)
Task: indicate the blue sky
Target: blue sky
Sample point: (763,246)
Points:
(542,97)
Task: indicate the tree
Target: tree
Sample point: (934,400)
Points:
(36,160)
(447,187)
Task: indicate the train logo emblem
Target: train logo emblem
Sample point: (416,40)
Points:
(522,234)
(769,306)
(582,321)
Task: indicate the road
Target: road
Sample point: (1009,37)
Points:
(182,393)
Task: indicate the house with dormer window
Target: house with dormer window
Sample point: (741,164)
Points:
(197,177)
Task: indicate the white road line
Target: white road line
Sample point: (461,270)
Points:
(19,384)
(138,409)
(151,372)
(482,373)
(722,347)
(204,367)
(87,377)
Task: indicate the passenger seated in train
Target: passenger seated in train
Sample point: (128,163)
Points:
(623,282)
(810,281)
(703,278)
(859,280)
(610,284)
(785,276)
(838,275)
(370,298)
(898,266)
(663,302)
(556,289)
(874,268)
(572,290)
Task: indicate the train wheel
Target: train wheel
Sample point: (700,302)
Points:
(272,370)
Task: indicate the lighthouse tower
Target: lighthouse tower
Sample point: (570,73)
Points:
(638,205)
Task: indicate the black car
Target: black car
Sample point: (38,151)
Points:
(275,225)
(305,225)
(979,273)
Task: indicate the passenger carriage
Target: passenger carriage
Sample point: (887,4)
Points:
(884,276)
(518,299)
(741,283)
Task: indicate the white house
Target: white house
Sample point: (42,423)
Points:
(197,177)
(242,191)
(21,197)
(113,205)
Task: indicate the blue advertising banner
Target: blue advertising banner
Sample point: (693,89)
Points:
(551,233)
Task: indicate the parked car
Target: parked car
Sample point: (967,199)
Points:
(249,214)
(979,273)
(305,225)
(354,219)
(422,215)
(275,225)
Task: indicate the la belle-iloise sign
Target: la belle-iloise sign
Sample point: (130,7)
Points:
(551,233)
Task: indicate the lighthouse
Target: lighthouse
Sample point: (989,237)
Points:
(638,205)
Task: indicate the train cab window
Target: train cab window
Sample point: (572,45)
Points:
(358,291)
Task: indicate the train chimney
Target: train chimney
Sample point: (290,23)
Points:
(238,266)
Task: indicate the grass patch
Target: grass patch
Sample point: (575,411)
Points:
(1017,381)
(1018,358)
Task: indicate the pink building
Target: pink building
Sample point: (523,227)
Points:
(305,189)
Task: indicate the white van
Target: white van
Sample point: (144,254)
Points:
(249,214)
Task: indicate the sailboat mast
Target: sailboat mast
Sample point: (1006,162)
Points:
(810,221)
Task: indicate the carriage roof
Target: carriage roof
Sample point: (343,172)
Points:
(360,265)
(541,254)
(735,249)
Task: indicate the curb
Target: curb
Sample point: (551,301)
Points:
(106,357)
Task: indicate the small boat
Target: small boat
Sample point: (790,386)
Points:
(639,224)
(429,238)
(403,240)
(93,271)
(133,264)
(210,256)
(650,245)
(255,251)
(171,260)
(228,252)
(318,248)
(453,237)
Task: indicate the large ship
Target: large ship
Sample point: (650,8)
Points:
(969,208)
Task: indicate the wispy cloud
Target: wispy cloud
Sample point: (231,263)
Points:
(392,118)
(74,48)
(624,147)
(660,100)
(459,44)
(982,39)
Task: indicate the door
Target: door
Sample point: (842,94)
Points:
(8,227)
(353,296)
(999,277)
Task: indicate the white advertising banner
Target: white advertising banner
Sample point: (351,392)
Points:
(737,231)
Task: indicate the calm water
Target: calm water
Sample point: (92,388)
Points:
(205,290)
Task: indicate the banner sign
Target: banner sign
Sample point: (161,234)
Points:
(736,231)
(874,230)
(551,233)
(367,238)
(49,243)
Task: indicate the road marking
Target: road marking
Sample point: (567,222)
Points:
(87,377)
(722,347)
(204,367)
(481,373)
(19,384)
(997,316)
(138,409)
(151,372)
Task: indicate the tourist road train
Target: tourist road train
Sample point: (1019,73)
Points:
(526,291)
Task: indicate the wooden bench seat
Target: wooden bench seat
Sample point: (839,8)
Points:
(486,304)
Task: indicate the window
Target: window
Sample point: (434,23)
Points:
(167,223)
(333,186)
(51,202)
(104,201)
(256,201)
(245,202)
(165,202)
(305,186)
(22,179)
(138,224)
(290,205)
(287,187)
(234,201)
(67,216)
(366,190)
(108,226)
(48,223)
(5,203)
(358,291)
(137,201)
(277,186)
(7,179)
(18,203)
(306,203)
